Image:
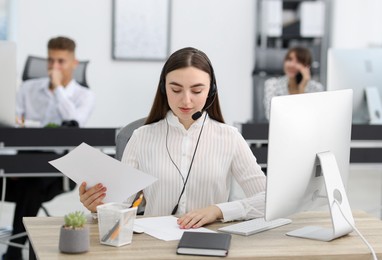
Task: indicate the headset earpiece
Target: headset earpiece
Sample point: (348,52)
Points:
(162,87)
(212,91)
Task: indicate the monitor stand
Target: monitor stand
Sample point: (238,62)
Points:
(339,207)
(374,105)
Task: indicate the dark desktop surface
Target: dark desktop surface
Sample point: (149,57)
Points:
(56,137)
(359,154)
(35,147)
(28,150)
(30,162)
(254,131)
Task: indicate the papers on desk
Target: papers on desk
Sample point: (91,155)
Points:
(164,228)
(85,163)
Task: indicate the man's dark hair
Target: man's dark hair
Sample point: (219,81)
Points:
(61,43)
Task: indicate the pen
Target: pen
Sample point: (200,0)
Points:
(138,201)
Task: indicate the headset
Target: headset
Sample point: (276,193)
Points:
(211,96)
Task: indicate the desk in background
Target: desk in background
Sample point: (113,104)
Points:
(366,142)
(43,233)
(23,150)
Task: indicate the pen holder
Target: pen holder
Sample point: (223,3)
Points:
(115,223)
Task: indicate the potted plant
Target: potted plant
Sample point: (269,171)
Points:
(74,235)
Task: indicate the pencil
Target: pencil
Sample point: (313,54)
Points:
(138,201)
(111,232)
(114,232)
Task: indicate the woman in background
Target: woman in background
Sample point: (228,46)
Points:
(297,78)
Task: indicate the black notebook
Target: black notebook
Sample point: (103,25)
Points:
(201,243)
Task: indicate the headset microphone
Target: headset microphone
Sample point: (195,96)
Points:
(198,114)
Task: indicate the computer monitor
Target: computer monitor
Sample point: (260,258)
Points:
(308,159)
(7,83)
(360,70)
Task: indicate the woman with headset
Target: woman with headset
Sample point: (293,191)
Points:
(194,155)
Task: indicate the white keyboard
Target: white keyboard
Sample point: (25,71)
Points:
(254,226)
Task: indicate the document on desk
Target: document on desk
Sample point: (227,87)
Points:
(86,163)
(164,228)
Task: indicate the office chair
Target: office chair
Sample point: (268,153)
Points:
(124,135)
(121,140)
(268,63)
(36,67)
(6,232)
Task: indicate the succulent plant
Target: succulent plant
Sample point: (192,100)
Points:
(75,220)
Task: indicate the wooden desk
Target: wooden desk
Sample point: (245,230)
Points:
(43,234)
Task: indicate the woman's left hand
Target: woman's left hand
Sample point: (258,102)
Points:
(200,217)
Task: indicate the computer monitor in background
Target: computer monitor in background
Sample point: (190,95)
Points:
(308,159)
(7,83)
(360,70)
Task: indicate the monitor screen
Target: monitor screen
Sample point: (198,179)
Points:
(306,132)
(356,69)
(7,83)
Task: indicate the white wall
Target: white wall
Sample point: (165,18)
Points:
(224,29)
(357,24)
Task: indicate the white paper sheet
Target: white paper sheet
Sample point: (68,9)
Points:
(164,228)
(85,163)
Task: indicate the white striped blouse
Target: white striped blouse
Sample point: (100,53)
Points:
(222,153)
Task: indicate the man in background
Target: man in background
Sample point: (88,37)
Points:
(57,98)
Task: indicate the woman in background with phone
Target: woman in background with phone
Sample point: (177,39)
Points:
(297,78)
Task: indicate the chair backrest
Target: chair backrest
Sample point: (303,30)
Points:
(124,135)
(270,61)
(36,67)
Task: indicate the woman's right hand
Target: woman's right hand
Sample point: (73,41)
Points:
(93,196)
(305,72)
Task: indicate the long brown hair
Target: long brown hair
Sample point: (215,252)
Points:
(183,58)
